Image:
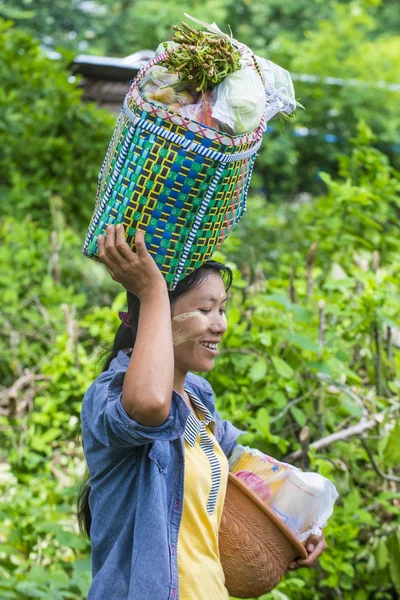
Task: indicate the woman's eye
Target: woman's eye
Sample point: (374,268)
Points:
(205,310)
(222,311)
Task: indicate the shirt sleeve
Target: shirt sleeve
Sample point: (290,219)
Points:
(104,417)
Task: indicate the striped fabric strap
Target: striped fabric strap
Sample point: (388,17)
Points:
(187,144)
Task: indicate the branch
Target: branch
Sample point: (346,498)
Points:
(362,426)
(289,406)
(27,379)
(375,466)
(9,397)
(347,390)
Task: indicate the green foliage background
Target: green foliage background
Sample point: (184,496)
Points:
(313,343)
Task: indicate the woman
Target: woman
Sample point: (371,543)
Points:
(155,445)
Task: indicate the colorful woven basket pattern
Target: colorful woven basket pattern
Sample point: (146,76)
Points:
(185,184)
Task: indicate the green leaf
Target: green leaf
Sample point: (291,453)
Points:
(366,220)
(304,342)
(319,367)
(282,367)
(51,434)
(280,299)
(303,315)
(392,450)
(348,569)
(258,370)
(382,555)
(278,398)
(349,405)
(233,316)
(299,416)
(30,589)
(263,421)
(394,560)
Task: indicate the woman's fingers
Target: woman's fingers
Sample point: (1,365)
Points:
(140,245)
(137,272)
(111,247)
(315,545)
(102,251)
(110,239)
(121,244)
(319,548)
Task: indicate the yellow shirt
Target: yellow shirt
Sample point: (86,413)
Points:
(201,576)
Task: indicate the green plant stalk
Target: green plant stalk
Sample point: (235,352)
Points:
(202,59)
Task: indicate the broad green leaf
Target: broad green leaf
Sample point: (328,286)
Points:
(382,554)
(352,375)
(233,316)
(30,589)
(282,367)
(280,299)
(394,560)
(241,361)
(263,421)
(50,435)
(342,356)
(279,399)
(366,220)
(392,450)
(319,367)
(349,405)
(304,342)
(303,315)
(348,569)
(299,416)
(259,369)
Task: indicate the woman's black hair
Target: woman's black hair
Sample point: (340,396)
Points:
(126,337)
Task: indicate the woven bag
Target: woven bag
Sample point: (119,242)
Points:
(183,183)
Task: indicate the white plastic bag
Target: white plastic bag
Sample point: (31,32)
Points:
(304,501)
(279,88)
(238,102)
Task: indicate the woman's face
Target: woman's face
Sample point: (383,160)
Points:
(198,324)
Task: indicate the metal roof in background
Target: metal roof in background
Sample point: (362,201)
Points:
(108,68)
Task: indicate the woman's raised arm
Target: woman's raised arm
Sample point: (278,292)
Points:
(148,383)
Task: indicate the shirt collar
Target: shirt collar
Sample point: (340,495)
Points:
(193,425)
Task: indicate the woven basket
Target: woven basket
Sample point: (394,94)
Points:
(183,183)
(255,545)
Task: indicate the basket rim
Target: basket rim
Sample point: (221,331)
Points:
(270,514)
(239,139)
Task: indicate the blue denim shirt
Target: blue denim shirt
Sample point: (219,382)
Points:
(136,479)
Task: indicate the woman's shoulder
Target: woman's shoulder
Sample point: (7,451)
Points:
(114,373)
(121,361)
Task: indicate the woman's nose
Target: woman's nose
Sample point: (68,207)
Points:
(219,324)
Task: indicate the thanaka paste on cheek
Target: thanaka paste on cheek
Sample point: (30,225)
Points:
(188,326)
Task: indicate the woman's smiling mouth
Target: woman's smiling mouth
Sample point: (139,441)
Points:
(210,347)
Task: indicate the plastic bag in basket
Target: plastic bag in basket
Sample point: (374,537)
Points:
(304,501)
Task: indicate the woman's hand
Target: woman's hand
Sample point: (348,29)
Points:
(136,271)
(315,546)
